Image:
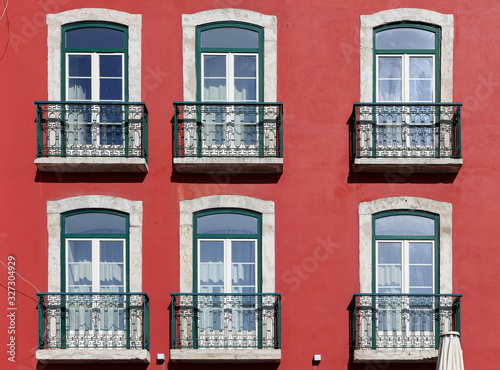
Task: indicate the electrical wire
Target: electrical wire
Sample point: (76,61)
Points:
(5,9)
(21,277)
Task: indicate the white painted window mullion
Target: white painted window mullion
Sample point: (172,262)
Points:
(95,77)
(228,262)
(95,265)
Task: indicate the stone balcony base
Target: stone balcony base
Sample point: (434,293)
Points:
(226,355)
(408,165)
(91,164)
(396,355)
(87,355)
(228,165)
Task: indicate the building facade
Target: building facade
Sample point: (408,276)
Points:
(212,184)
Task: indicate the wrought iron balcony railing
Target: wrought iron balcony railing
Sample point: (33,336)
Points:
(93,320)
(82,129)
(226,321)
(402,321)
(228,130)
(404,130)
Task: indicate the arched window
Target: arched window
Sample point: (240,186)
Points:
(405,252)
(407,64)
(95,251)
(227,251)
(230,62)
(94,62)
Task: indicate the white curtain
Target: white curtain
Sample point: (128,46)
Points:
(389,276)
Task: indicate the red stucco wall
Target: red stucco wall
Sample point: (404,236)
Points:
(316,197)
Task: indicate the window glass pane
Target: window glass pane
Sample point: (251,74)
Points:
(80,89)
(111,268)
(404,225)
(110,65)
(111,251)
(227,223)
(95,223)
(243,274)
(214,66)
(389,278)
(95,37)
(390,67)
(79,65)
(389,91)
(211,266)
(420,276)
(214,89)
(389,252)
(111,89)
(244,289)
(211,251)
(245,66)
(420,253)
(243,251)
(421,91)
(245,90)
(389,79)
(405,38)
(389,267)
(421,67)
(229,37)
(79,266)
(392,290)
(243,264)
(428,290)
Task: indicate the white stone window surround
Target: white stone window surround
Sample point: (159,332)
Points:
(442,209)
(56,21)
(369,22)
(191,21)
(189,207)
(89,202)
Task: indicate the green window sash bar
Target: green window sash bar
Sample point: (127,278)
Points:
(93,320)
(225,320)
(407,130)
(402,321)
(222,129)
(91,129)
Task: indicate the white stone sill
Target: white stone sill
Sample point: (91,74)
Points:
(94,164)
(228,165)
(225,355)
(396,355)
(86,355)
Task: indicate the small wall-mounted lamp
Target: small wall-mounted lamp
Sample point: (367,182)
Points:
(317,359)
(160,358)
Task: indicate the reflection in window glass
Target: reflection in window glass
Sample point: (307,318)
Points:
(227,223)
(407,225)
(95,37)
(405,38)
(229,37)
(95,223)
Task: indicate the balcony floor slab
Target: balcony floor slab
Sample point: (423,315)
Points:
(408,165)
(226,355)
(91,164)
(87,355)
(228,165)
(396,355)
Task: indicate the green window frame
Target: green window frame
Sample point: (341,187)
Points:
(233,236)
(405,237)
(223,51)
(99,50)
(435,52)
(95,236)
